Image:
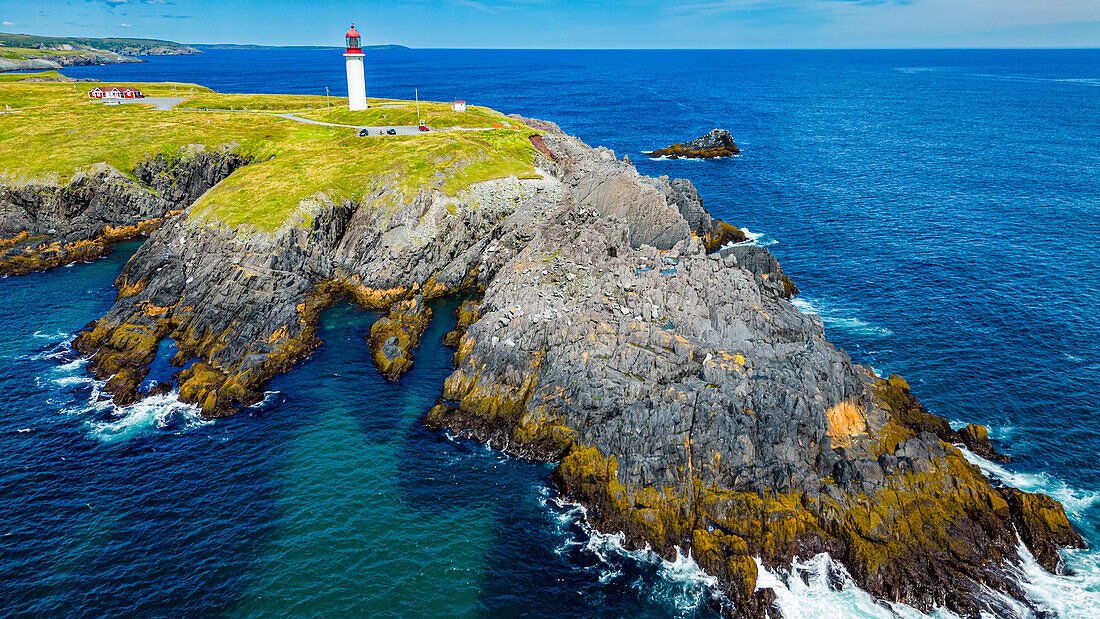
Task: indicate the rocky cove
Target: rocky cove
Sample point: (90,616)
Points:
(614,327)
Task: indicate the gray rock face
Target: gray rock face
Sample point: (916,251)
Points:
(717,138)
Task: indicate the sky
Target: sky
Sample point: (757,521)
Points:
(545,24)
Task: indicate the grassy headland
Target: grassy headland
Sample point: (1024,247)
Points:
(40,45)
(59,131)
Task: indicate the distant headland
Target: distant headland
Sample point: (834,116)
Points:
(209,46)
(20,52)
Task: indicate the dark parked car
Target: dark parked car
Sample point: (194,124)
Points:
(391,132)
(363,133)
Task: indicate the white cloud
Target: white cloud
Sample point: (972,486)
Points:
(9,23)
(125,25)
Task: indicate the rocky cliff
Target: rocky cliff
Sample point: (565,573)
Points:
(620,332)
(45,224)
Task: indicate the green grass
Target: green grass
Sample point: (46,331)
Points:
(270,103)
(19,77)
(61,131)
(346,166)
(21,53)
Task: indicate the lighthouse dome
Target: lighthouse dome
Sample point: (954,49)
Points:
(353,40)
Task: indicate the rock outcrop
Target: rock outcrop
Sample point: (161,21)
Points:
(46,224)
(718,143)
(393,337)
(620,332)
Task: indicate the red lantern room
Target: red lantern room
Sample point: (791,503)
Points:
(353,39)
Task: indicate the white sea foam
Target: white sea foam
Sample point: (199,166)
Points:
(269,396)
(72,366)
(1075,594)
(56,336)
(106,421)
(163,412)
(757,238)
(682,584)
(68,381)
(822,588)
(834,319)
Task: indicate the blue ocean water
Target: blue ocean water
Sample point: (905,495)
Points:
(939,209)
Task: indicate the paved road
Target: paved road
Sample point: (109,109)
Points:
(158,103)
(374,131)
(167,103)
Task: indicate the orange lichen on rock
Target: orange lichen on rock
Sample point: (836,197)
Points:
(846,419)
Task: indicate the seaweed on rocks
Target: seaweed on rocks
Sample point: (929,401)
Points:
(716,144)
(393,337)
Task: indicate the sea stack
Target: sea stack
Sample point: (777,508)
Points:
(718,143)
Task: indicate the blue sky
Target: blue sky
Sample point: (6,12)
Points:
(576,24)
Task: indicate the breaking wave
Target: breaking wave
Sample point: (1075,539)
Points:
(757,238)
(680,585)
(833,319)
(822,588)
(1075,500)
(82,396)
(1076,591)
(160,412)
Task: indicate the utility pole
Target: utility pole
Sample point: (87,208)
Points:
(417,94)
(327,103)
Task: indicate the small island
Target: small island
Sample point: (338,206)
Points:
(610,322)
(718,143)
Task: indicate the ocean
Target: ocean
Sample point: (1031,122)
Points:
(939,209)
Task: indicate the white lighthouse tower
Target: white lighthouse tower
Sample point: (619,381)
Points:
(357,88)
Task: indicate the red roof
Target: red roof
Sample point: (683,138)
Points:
(353,32)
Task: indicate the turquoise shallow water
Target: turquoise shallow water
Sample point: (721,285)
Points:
(938,209)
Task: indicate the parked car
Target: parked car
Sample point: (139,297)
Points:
(423,128)
(363,133)
(391,132)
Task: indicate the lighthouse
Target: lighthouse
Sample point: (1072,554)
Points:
(357,88)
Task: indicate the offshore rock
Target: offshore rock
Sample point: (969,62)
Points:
(690,404)
(393,337)
(717,143)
